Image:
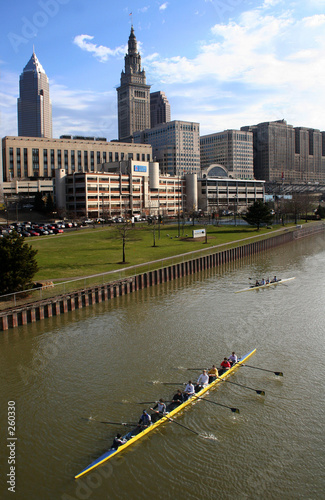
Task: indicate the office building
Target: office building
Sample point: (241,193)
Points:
(223,194)
(159,109)
(175,145)
(286,154)
(34,104)
(29,164)
(30,158)
(127,188)
(232,150)
(133,94)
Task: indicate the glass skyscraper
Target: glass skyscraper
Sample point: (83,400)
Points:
(34,104)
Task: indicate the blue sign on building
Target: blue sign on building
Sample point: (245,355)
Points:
(139,168)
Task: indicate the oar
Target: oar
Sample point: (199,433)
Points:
(90,419)
(150,402)
(234,410)
(174,421)
(279,374)
(173,383)
(262,393)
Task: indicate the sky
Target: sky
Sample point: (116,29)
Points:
(222,63)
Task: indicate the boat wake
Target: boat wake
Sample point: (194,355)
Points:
(210,436)
(91,419)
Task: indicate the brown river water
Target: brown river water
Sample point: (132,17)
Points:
(101,361)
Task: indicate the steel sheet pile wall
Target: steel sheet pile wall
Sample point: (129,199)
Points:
(55,306)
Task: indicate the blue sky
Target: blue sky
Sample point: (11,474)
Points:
(222,63)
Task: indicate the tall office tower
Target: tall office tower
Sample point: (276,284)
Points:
(232,149)
(286,154)
(133,95)
(159,108)
(175,145)
(34,104)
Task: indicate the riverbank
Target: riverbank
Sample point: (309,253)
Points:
(77,297)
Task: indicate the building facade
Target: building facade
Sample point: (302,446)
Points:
(34,104)
(175,145)
(286,154)
(159,109)
(131,188)
(231,149)
(31,158)
(223,194)
(133,94)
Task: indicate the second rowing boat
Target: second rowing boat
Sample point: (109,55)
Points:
(266,285)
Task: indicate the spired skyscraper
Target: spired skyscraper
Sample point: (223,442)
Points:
(34,104)
(133,95)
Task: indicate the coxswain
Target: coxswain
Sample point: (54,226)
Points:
(225,365)
(213,373)
(232,359)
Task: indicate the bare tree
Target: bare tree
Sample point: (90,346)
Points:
(123,230)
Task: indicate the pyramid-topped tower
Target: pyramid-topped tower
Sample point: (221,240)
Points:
(34,104)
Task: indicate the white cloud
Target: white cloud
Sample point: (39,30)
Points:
(99,51)
(276,64)
(163,6)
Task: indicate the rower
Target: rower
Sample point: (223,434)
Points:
(202,381)
(160,412)
(189,391)
(232,359)
(274,280)
(118,441)
(145,419)
(225,365)
(177,399)
(213,374)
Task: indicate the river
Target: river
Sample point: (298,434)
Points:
(101,361)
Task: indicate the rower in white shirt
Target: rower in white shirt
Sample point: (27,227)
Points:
(189,390)
(232,359)
(202,381)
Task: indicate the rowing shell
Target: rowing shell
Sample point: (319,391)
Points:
(135,435)
(267,285)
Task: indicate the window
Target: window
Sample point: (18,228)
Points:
(59,158)
(45,163)
(35,161)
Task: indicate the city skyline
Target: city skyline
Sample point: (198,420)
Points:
(224,63)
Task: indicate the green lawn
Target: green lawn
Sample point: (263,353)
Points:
(92,251)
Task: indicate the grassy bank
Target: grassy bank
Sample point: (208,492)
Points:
(92,251)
